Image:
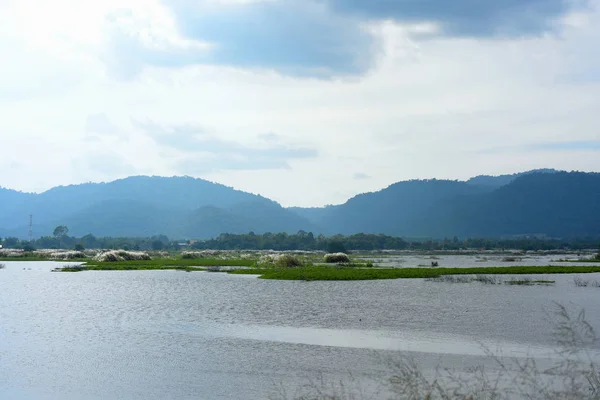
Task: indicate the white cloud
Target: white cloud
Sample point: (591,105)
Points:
(430,108)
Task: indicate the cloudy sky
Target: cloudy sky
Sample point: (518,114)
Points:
(307,102)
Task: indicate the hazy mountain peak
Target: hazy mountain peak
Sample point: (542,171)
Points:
(502,180)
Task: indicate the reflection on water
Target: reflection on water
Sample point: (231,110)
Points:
(166,334)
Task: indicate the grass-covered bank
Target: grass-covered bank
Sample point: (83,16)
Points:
(159,264)
(341,273)
(127,267)
(167,262)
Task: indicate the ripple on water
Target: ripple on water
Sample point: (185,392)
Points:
(140,334)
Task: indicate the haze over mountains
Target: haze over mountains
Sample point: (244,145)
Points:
(541,202)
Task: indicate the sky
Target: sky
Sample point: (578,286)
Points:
(307,102)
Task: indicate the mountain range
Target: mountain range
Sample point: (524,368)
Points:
(540,202)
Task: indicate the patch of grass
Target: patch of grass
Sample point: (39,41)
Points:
(452,279)
(489,279)
(202,262)
(288,261)
(159,264)
(529,281)
(38,258)
(336,258)
(80,268)
(341,273)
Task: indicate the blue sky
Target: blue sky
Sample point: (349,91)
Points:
(306,102)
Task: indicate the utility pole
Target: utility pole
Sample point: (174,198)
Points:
(30,228)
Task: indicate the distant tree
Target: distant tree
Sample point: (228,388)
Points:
(89,241)
(61,231)
(79,247)
(158,245)
(11,242)
(335,246)
(28,248)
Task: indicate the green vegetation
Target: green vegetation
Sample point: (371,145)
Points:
(529,281)
(336,258)
(288,261)
(34,257)
(126,267)
(304,241)
(200,262)
(158,264)
(346,273)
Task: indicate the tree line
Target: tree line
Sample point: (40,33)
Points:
(299,241)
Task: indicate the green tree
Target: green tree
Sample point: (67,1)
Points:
(28,248)
(60,232)
(336,246)
(11,242)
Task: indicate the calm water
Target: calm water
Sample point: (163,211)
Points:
(177,335)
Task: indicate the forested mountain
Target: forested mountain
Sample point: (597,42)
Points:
(543,202)
(546,202)
(494,182)
(143,206)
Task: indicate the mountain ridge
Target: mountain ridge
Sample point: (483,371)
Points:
(547,201)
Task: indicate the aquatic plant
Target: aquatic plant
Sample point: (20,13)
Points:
(529,282)
(336,258)
(345,272)
(488,279)
(580,282)
(451,279)
(2,266)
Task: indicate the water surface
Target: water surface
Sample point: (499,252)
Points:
(178,335)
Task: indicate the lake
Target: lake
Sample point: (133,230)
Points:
(200,335)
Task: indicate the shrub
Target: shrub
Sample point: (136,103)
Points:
(11,253)
(191,255)
(336,258)
(121,255)
(67,255)
(287,261)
